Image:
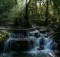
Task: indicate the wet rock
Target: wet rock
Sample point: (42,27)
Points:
(42,31)
(32,44)
(42,40)
(1,46)
(19,45)
(34,33)
(56,38)
(54,45)
(41,47)
(37,35)
(20,31)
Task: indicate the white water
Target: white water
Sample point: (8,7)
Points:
(47,44)
(8,43)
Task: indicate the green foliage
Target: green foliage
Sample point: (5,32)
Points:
(3,36)
(5,5)
(39,12)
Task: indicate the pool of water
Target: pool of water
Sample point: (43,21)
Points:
(12,54)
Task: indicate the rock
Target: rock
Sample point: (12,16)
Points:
(20,31)
(35,33)
(1,46)
(41,47)
(42,31)
(19,45)
(42,40)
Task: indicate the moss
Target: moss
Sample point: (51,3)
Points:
(3,36)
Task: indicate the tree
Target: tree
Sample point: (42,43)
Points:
(26,14)
(46,13)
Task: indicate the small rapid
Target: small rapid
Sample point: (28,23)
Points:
(42,44)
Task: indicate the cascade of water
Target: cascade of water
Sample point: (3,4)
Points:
(48,42)
(8,43)
(39,42)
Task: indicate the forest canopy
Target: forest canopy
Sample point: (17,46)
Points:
(37,12)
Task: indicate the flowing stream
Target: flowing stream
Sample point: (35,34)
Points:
(42,47)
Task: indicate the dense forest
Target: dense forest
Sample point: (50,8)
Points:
(37,12)
(26,14)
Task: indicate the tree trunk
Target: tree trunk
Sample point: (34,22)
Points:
(26,15)
(46,14)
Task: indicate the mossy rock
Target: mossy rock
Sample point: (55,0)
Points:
(3,36)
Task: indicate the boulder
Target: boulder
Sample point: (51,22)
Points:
(18,45)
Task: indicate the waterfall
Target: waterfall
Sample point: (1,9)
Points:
(8,43)
(41,44)
(48,42)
